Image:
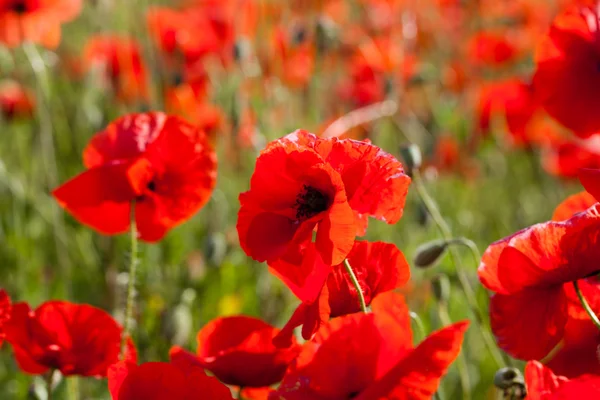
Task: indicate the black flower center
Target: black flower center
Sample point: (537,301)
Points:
(19,6)
(310,202)
(151,186)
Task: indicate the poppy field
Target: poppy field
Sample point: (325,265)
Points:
(299,200)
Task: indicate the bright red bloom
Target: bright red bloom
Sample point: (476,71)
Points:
(379,267)
(513,101)
(542,384)
(180,379)
(371,356)
(161,162)
(302,182)
(239,351)
(566,80)
(37,21)
(15,100)
(121,64)
(566,156)
(572,205)
(5,311)
(76,339)
(531,273)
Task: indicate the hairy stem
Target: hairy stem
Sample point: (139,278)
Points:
(361,297)
(130,282)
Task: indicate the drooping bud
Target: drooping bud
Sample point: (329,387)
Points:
(411,154)
(510,381)
(440,285)
(429,253)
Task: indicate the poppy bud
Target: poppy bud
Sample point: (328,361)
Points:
(325,34)
(412,156)
(440,285)
(429,253)
(511,382)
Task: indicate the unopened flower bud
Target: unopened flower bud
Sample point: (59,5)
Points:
(411,154)
(429,253)
(507,378)
(440,285)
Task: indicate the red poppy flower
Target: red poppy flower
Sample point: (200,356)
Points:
(566,156)
(5,311)
(35,21)
(572,205)
(161,162)
(239,351)
(15,100)
(371,356)
(566,80)
(531,273)
(184,100)
(379,267)
(76,339)
(514,102)
(302,182)
(491,49)
(543,384)
(121,63)
(294,57)
(179,379)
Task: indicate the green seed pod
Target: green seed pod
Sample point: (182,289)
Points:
(507,378)
(429,253)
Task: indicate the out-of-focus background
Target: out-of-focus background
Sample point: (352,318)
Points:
(451,76)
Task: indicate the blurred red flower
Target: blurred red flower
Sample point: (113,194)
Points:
(572,205)
(542,384)
(514,103)
(379,267)
(564,156)
(5,311)
(302,182)
(186,101)
(371,356)
(239,351)
(566,80)
(15,100)
(76,339)
(161,162)
(180,379)
(120,62)
(292,56)
(491,49)
(35,20)
(531,273)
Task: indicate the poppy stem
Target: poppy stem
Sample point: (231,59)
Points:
(130,283)
(586,305)
(239,395)
(463,278)
(49,381)
(73,387)
(361,296)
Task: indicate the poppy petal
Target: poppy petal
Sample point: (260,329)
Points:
(590,179)
(101,197)
(541,381)
(530,323)
(417,376)
(336,233)
(574,204)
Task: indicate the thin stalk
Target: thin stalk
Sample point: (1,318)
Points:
(361,297)
(49,381)
(239,394)
(130,282)
(586,305)
(73,388)
(460,272)
(461,360)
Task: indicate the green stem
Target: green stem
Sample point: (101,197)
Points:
(49,379)
(361,297)
(130,282)
(73,387)
(461,361)
(460,272)
(420,327)
(586,305)
(239,394)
